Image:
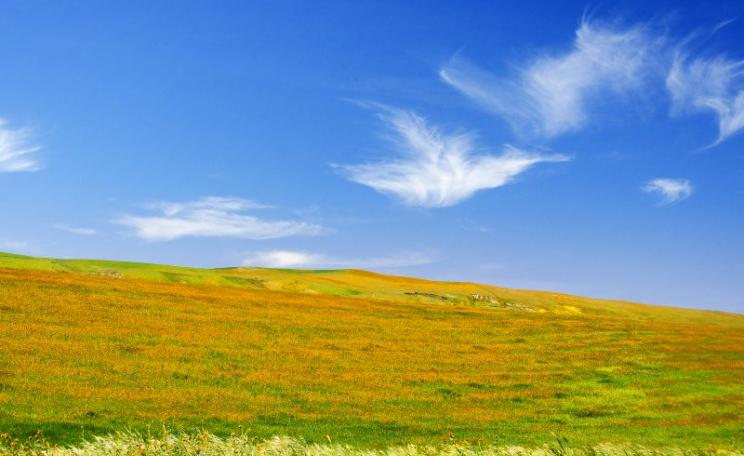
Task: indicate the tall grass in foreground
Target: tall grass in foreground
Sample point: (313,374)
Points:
(205,444)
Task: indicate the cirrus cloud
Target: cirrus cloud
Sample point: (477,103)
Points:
(550,95)
(435,169)
(213,217)
(713,84)
(17,154)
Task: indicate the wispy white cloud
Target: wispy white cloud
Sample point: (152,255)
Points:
(302,259)
(210,202)
(714,84)
(435,169)
(213,217)
(550,95)
(75,230)
(17,154)
(670,190)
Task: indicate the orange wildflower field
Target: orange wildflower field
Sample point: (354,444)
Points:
(395,360)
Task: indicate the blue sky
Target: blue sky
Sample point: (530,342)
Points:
(592,149)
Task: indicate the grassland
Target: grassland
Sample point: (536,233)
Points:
(90,347)
(206,444)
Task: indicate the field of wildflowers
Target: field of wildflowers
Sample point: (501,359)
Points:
(396,362)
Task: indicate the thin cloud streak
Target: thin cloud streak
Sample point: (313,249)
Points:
(213,217)
(75,230)
(17,154)
(550,95)
(670,190)
(435,169)
(210,202)
(303,259)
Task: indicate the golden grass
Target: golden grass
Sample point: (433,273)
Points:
(206,444)
(107,353)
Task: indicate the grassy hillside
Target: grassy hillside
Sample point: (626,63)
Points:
(90,347)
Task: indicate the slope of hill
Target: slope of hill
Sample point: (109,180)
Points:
(356,284)
(357,357)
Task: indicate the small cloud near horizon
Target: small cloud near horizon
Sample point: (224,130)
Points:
(304,259)
(670,190)
(19,246)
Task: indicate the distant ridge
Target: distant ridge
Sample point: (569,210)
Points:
(342,282)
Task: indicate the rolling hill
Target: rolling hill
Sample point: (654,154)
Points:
(92,347)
